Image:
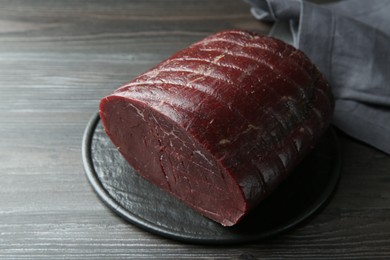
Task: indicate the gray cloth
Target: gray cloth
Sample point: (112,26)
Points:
(350,43)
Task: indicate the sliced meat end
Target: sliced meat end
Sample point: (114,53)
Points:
(164,153)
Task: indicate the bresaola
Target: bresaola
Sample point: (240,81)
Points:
(221,123)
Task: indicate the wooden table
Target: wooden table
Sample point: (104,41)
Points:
(57,59)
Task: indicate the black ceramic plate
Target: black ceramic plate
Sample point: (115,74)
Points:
(141,203)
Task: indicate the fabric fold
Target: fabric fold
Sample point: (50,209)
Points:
(349,41)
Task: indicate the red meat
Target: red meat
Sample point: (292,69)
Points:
(221,123)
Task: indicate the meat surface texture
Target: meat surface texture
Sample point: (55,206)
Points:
(221,123)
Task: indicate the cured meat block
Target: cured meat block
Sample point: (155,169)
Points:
(221,123)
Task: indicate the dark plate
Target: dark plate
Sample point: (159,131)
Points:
(130,196)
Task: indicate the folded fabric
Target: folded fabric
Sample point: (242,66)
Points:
(350,43)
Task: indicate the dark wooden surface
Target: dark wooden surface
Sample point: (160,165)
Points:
(57,59)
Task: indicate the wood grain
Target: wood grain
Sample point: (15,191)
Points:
(57,59)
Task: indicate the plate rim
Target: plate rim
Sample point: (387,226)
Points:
(138,221)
